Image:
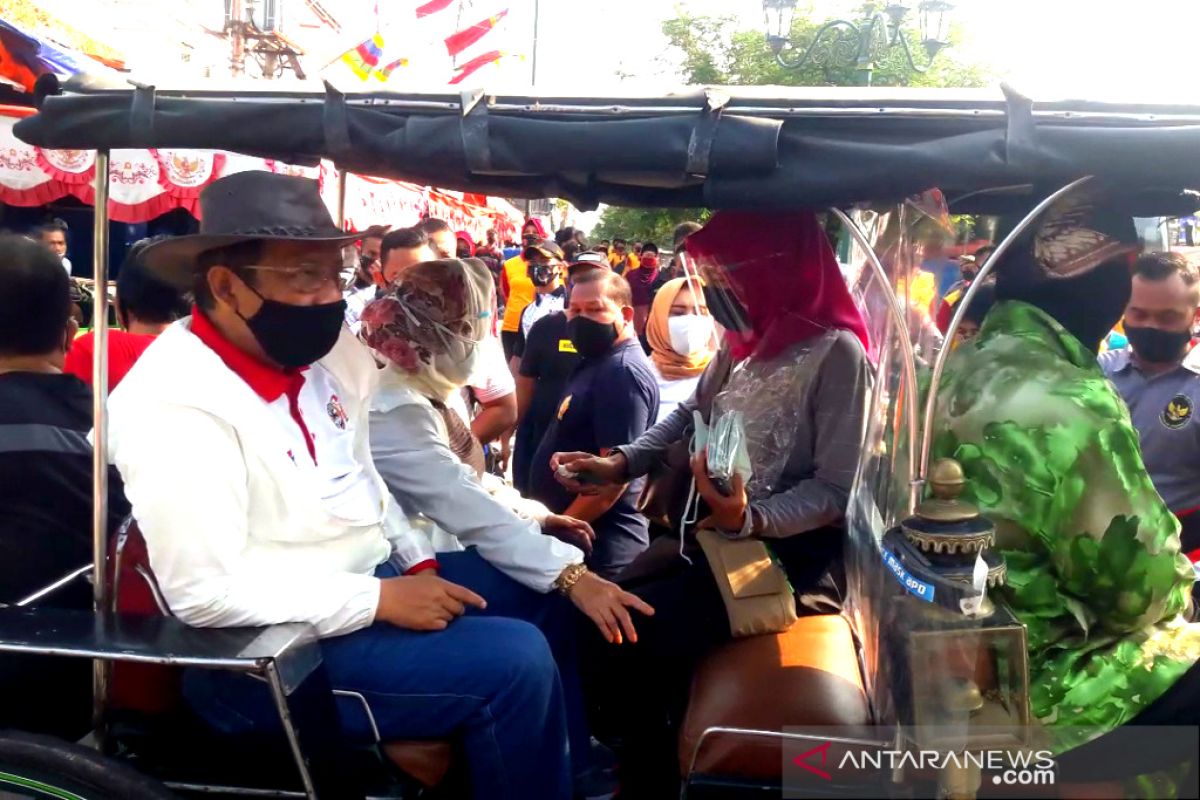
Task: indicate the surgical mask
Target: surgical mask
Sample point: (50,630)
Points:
(1156,345)
(727,309)
(690,333)
(296,336)
(591,338)
(457,369)
(543,275)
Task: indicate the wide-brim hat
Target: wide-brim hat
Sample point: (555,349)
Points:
(247,207)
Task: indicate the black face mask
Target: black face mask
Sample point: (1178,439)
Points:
(542,275)
(727,310)
(530,239)
(296,336)
(591,338)
(362,276)
(1156,345)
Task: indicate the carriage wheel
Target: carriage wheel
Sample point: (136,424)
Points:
(45,768)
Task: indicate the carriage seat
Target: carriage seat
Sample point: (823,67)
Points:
(155,689)
(806,676)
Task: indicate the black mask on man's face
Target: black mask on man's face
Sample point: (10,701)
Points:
(362,275)
(296,336)
(1156,346)
(591,339)
(543,274)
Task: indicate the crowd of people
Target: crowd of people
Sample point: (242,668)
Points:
(474,469)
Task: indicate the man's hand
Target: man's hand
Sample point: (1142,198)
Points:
(505,455)
(604,471)
(728,511)
(570,530)
(607,605)
(423,602)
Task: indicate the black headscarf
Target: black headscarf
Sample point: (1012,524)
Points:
(1075,266)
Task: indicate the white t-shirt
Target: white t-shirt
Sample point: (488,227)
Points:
(66,262)
(492,380)
(356,302)
(543,305)
(348,491)
(673,392)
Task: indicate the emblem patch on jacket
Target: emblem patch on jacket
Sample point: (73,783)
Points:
(337,414)
(1178,412)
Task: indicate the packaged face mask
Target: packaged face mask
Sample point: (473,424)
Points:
(725,443)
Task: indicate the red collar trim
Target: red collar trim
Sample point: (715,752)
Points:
(268,382)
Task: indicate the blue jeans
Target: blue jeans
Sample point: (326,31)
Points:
(489,677)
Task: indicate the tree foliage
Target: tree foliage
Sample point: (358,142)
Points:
(644,224)
(711,50)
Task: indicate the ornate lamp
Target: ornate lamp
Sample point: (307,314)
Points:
(779,15)
(935,25)
(862,43)
(962,680)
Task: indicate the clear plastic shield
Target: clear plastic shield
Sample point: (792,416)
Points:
(934,658)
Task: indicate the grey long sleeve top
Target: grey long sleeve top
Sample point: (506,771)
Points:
(814,488)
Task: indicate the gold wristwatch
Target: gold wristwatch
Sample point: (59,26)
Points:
(570,576)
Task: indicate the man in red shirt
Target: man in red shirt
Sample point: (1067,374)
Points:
(145,307)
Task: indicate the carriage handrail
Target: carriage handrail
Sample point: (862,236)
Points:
(960,311)
(908,355)
(50,589)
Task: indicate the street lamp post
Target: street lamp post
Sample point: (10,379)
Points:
(863,43)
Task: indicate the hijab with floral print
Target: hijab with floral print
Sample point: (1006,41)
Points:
(428,327)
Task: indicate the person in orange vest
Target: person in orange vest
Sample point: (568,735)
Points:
(516,287)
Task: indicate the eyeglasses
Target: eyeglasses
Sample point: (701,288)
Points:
(312,278)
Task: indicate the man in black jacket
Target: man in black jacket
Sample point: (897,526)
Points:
(45,480)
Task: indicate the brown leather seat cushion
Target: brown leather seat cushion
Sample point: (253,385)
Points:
(807,676)
(427,762)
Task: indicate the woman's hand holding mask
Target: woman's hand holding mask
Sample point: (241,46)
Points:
(728,510)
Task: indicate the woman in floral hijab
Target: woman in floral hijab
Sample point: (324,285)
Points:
(427,331)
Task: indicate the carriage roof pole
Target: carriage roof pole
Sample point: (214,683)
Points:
(100,669)
(899,319)
(339,216)
(960,311)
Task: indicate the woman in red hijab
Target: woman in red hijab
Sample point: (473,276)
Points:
(793,367)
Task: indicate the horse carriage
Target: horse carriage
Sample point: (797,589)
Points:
(915,659)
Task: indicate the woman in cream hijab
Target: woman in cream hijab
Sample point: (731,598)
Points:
(682,341)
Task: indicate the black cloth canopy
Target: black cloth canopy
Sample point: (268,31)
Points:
(762,147)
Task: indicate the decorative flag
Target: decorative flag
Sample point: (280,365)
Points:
(363,59)
(478,63)
(460,41)
(385,72)
(432,7)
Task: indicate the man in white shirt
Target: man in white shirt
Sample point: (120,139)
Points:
(241,436)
